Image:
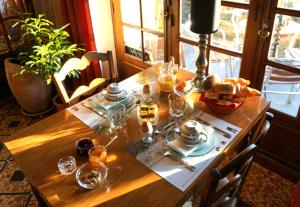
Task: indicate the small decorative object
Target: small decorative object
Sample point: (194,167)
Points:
(83,146)
(204,20)
(67,165)
(226,96)
(91,174)
(167,76)
(192,133)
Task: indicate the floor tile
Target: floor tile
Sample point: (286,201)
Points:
(4,153)
(15,110)
(13,123)
(33,202)
(2,163)
(5,108)
(14,200)
(8,186)
(265,188)
(18,175)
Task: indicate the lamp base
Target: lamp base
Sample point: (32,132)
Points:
(201,64)
(198,84)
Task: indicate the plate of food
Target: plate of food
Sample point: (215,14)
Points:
(227,95)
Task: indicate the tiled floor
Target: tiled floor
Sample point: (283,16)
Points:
(262,188)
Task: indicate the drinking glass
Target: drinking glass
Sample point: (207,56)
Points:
(67,165)
(176,105)
(116,116)
(98,153)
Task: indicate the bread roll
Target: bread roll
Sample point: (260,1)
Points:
(210,82)
(225,88)
(211,94)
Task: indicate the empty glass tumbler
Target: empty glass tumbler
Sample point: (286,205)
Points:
(176,105)
(116,116)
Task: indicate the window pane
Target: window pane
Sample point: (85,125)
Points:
(131,12)
(289,4)
(285,43)
(231,33)
(188,56)
(132,41)
(153,14)
(10,8)
(282,88)
(239,1)
(185,21)
(224,65)
(154,48)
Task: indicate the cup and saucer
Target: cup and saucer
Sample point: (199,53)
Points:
(194,139)
(115,93)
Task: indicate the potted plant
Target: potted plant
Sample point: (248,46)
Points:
(42,51)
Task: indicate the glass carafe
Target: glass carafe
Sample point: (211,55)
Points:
(167,76)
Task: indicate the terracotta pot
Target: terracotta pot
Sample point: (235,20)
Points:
(31,92)
(59,105)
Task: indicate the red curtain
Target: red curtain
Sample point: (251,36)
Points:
(77,13)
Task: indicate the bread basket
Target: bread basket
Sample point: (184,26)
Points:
(220,109)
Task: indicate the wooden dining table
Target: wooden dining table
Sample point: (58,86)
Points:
(37,149)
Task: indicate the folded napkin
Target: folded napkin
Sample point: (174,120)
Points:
(179,146)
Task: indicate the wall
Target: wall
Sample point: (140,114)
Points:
(103,26)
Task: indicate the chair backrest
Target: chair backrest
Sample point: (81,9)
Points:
(238,170)
(262,128)
(81,64)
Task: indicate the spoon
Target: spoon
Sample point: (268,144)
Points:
(156,131)
(111,141)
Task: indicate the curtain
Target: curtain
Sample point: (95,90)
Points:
(76,12)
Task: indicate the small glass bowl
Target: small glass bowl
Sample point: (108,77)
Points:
(83,146)
(67,165)
(91,174)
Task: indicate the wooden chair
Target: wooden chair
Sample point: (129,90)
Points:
(257,132)
(81,64)
(226,193)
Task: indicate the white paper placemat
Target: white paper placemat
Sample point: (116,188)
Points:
(177,174)
(91,118)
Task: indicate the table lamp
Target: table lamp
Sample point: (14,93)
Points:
(204,21)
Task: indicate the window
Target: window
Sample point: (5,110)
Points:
(143,29)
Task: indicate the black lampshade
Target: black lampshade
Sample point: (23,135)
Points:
(205,15)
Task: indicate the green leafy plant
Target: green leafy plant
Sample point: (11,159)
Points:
(44,48)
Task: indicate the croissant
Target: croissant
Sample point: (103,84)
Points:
(235,81)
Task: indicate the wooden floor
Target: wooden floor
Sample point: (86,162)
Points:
(262,187)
